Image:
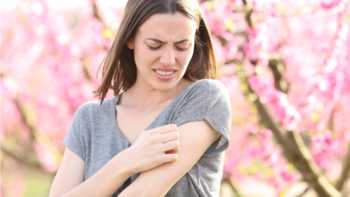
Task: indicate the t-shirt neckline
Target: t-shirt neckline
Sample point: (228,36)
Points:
(118,130)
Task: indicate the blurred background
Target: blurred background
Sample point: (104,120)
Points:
(286,64)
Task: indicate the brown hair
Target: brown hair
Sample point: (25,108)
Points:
(119,69)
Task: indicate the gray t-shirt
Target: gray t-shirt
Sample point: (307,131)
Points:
(94,135)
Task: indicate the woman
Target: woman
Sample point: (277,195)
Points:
(164,131)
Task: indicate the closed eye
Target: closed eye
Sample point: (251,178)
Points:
(156,44)
(181,48)
(176,47)
(154,47)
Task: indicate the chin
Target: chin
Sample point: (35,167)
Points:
(165,86)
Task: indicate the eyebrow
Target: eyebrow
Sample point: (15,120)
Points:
(162,42)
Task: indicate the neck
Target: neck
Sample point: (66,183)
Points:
(146,99)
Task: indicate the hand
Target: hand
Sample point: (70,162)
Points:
(153,148)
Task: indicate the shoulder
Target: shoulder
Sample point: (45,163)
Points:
(204,95)
(208,85)
(93,107)
(209,88)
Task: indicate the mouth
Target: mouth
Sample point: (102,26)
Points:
(165,74)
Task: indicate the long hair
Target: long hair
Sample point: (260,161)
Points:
(119,68)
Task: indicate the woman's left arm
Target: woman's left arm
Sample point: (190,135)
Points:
(159,180)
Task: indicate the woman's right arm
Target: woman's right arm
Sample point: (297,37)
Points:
(151,149)
(68,180)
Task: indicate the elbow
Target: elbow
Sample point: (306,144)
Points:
(59,194)
(55,195)
(140,193)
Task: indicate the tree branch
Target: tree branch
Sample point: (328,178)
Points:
(33,133)
(293,148)
(22,160)
(277,68)
(233,188)
(344,175)
(291,142)
(95,12)
(304,192)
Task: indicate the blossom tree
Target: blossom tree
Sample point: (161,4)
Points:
(290,70)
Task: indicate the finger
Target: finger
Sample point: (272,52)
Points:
(168,157)
(165,137)
(170,136)
(169,127)
(172,145)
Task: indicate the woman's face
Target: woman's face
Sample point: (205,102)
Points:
(163,48)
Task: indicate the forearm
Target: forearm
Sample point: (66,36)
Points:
(106,181)
(143,186)
(143,190)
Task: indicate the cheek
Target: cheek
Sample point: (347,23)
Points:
(186,58)
(143,57)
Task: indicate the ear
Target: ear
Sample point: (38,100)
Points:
(131,44)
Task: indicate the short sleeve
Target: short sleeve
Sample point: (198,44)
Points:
(208,100)
(74,139)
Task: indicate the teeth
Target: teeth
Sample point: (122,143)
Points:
(165,73)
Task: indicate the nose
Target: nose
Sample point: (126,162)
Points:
(168,57)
